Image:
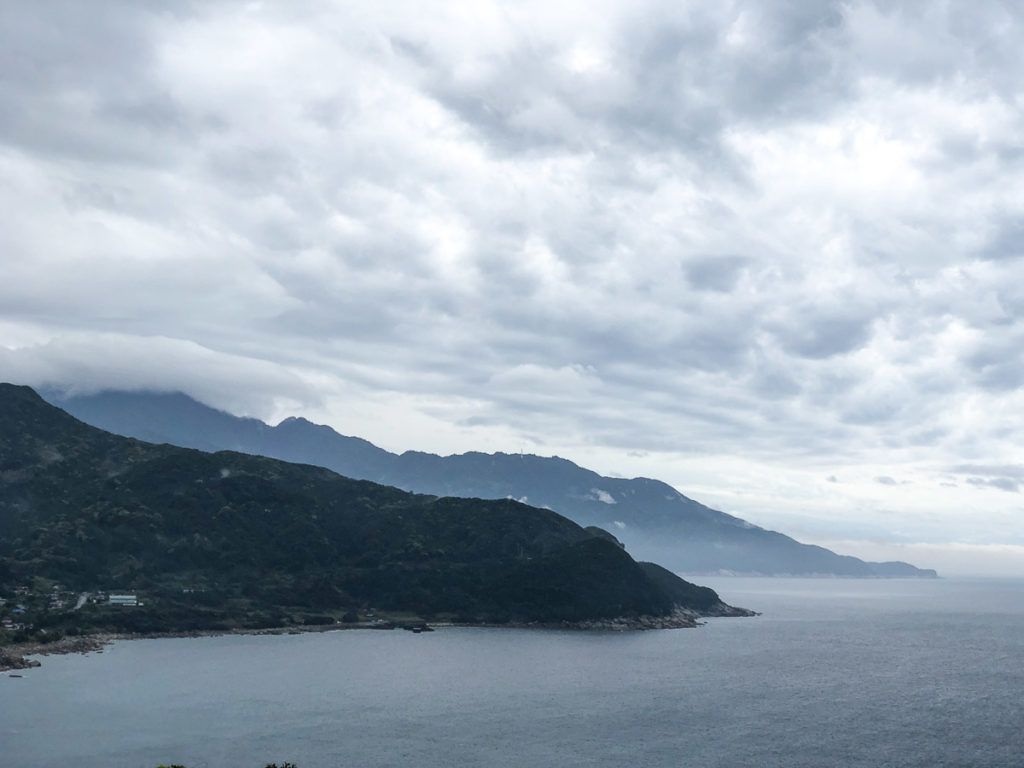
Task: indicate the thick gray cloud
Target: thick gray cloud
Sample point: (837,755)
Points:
(742,247)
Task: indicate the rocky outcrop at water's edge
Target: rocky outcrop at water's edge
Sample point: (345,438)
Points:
(679,618)
(16,657)
(10,660)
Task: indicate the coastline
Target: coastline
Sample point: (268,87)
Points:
(15,657)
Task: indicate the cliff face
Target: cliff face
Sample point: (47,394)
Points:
(229,538)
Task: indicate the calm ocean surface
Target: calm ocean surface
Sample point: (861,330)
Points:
(835,673)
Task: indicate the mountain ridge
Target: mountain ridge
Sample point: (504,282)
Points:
(225,540)
(653,519)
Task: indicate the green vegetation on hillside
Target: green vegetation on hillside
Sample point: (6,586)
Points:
(654,520)
(217,541)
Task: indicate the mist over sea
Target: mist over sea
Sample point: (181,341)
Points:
(835,672)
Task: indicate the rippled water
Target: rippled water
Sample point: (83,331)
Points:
(851,673)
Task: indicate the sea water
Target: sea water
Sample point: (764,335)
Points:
(833,673)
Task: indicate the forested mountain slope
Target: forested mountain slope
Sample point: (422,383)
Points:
(654,520)
(235,539)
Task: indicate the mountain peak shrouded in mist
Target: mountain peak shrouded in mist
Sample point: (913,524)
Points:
(651,518)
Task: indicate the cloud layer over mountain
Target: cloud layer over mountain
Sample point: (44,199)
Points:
(770,252)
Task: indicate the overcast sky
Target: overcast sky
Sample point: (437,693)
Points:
(771,253)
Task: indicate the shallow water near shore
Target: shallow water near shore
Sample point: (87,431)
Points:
(835,672)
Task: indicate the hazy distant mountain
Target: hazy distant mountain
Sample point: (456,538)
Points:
(651,518)
(227,539)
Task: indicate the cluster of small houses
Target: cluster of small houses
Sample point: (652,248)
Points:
(13,619)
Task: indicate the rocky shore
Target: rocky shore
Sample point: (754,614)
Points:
(727,611)
(16,656)
(680,618)
(9,660)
